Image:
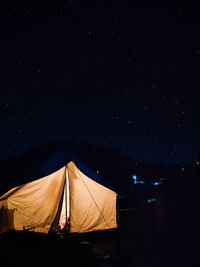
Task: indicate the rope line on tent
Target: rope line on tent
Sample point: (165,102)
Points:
(94,200)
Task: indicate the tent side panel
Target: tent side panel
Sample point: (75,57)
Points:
(34,206)
(93,206)
(6,217)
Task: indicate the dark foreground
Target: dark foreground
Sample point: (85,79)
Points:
(137,242)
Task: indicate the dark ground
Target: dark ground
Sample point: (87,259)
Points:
(137,242)
(165,233)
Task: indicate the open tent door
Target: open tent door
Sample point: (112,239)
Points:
(92,206)
(65,209)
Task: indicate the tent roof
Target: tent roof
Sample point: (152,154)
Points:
(42,161)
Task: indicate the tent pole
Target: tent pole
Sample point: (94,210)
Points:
(68,200)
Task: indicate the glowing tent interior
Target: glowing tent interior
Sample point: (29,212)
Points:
(65,200)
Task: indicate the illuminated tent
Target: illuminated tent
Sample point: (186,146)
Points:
(65,200)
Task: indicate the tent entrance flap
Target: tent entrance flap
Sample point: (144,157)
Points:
(65,210)
(93,206)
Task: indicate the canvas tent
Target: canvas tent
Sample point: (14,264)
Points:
(66,199)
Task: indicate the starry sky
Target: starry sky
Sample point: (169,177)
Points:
(124,75)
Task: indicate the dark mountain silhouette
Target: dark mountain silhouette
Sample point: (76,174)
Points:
(106,166)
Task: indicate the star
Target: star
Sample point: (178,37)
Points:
(116,117)
(28,115)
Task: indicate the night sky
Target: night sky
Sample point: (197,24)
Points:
(117,74)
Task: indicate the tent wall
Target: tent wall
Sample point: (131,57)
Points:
(93,206)
(33,205)
(40,205)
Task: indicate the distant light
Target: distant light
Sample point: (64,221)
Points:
(198,162)
(182,169)
(97,171)
(149,200)
(156,183)
(134,177)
